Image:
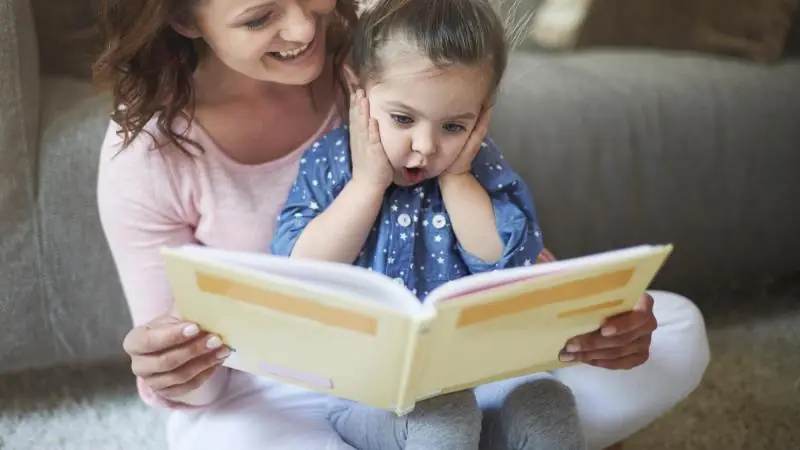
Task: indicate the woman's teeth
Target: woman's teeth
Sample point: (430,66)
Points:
(289,54)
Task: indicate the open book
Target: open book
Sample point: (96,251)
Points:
(359,335)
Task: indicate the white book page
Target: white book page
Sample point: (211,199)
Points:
(320,276)
(482,281)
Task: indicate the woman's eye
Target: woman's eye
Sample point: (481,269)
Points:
(402,120)
(454,128)
(258,23)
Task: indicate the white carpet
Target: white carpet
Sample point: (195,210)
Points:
(750,398)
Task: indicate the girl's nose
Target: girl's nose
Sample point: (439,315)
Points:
(424,143)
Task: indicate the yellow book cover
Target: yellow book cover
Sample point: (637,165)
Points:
(357,334)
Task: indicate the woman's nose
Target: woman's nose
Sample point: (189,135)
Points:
(299,24)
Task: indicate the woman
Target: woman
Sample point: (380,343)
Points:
(215,101)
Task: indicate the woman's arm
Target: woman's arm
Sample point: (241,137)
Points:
(139,213)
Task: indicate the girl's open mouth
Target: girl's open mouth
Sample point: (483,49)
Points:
(413,175)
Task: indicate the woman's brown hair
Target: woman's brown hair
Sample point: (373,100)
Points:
(148,66)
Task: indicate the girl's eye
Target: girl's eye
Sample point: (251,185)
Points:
(258,23)
(402,120)
(454,128)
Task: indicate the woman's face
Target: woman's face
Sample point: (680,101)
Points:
(280,41)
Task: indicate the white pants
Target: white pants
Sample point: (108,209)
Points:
(258,414)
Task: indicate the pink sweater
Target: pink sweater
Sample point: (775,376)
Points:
(149,198)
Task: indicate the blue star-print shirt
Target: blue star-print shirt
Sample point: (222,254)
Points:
(412,240)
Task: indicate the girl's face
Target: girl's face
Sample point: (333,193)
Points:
(425,114)
(281,41)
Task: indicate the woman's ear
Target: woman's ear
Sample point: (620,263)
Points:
(185,29)
(350,78)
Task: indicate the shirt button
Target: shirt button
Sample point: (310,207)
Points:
(404,220)
(439,221)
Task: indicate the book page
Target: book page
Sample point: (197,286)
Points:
(338,279)
(500,278)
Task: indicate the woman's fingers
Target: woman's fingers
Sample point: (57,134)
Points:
(624,363)
(641,317)
(172,359)
(639,345)
(186,379)
(159,336)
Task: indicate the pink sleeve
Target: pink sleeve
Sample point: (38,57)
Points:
(140,211)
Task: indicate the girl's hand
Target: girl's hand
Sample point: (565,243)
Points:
(371,166)
(463,163)
(173,357)
(623,342)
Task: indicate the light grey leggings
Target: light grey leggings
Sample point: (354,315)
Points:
(538,415)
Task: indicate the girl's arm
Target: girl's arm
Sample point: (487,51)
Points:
(510,221)
(328,213)
(472,215)
(339,233)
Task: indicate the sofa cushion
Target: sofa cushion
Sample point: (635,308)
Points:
(21,303)
(68,37)
(85,305)
(742,28)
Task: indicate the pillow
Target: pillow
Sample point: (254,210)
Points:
(756,30)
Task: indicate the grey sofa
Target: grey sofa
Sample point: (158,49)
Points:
(619,147)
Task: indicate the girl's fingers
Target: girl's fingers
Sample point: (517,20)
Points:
(374,134)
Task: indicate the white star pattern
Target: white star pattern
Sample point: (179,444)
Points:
(314,206)
(527,262)
(314,183)
(438,238)
(403,236)
(425,223)
(440,260)
(390,261)
(394,208)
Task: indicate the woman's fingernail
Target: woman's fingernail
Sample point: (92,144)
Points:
(566,358)
(573,348)
(608,331)
(214,342)
(191,330)
(224,353)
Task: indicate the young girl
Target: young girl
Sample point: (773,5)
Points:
(427,201)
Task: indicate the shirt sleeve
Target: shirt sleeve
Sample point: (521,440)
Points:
(324,171)
(514,212)
(139,214)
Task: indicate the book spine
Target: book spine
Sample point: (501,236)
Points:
(414,366)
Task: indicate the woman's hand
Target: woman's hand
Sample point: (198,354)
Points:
(623,342)
(463,163)
(371,166)
(173,357)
